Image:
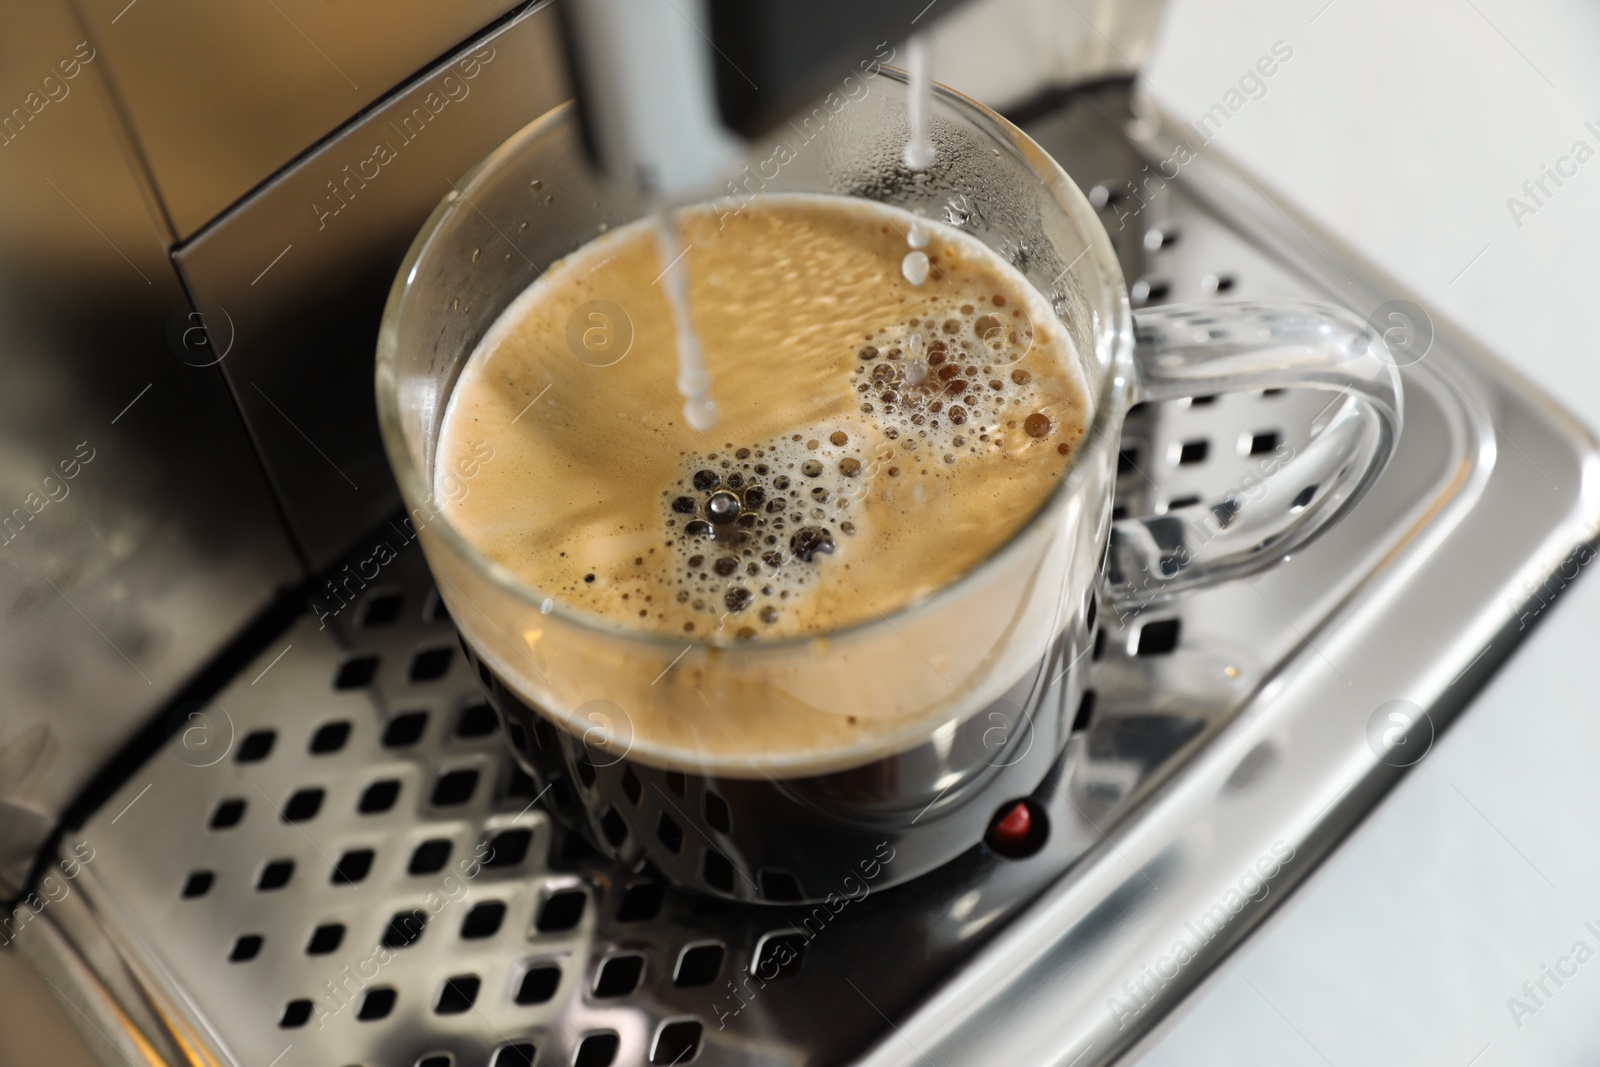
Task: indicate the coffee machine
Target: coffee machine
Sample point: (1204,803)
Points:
(234,827)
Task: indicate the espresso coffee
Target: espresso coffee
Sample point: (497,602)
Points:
(878,439)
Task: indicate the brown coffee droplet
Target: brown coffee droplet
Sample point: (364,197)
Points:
(1063,448)
(958,415)
(849,467)
(811,468)
(868,352)
(1021,377)
(952,325)
(769,614)
(999,301)
(745,633)
(726,566)
(839,437)
(738,598)
(1037,424)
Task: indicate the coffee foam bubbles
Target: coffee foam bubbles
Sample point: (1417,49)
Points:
(809,332)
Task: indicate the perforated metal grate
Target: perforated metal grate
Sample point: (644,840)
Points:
(336,863)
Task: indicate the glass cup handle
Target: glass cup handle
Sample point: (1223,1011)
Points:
(1290,495)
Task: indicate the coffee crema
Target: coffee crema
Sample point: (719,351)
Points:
(878,439)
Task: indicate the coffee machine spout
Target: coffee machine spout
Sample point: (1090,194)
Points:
(670,89)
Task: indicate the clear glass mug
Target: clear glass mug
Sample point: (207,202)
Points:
(792,769)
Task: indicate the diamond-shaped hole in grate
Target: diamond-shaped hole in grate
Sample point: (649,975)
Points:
(1159,637)
(521,1054)
(780,955)
(676,1042)
(457,995)
(619,976)
(454,788)
(538,984)
(1085,714)
(303,805)
(379,797)
(295,1014)
(483,920)
(430,664)
(325,939)
(356,672)
(228,814)
(698,965)
(275,875)
(380,608)
(256,746)
(405,928)
(430,856)
(562,910)
(508,848)
(405,729)
(597,1050)
(352,867)
(330,737)
(377,1004)
(245,948)
(1265,441)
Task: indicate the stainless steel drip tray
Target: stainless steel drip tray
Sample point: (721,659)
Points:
(334,862)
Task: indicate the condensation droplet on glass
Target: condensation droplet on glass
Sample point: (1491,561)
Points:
(550,198)
(918,236)
(455,305)
(915,267)
(521,226)
(536,185)
(546,606)
(477,254)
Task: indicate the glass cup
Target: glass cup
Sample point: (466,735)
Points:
(794,769)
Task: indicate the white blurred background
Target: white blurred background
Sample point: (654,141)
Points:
(1404,128)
